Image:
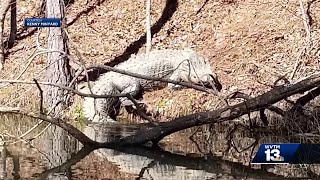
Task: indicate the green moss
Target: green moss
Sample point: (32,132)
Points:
(78,115)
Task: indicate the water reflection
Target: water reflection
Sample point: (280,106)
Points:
(159,164)
(66,166)
(4,155)
(3,164)
(59,147)
(58,159)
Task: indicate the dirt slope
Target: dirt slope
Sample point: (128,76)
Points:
(250,43)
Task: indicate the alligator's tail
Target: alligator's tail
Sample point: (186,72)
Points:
(101,109)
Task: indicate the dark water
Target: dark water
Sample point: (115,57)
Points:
(55,155)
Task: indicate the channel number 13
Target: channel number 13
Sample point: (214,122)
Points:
(272,155)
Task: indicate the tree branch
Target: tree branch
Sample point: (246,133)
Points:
(41,96)
(140,111)
(220,115)
(156,133)
(302,101)
(63,87)
(62,123)
(141,76)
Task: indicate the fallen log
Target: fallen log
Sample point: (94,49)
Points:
(155,133)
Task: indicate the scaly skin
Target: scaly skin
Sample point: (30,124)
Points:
(178,65)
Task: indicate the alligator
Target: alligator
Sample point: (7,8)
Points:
(179,65)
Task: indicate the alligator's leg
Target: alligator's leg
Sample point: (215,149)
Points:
(134,90)
(108,114)
(175,77)
(101,109)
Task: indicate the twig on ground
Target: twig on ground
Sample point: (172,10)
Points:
(267,69)
(283,77)
(199,10)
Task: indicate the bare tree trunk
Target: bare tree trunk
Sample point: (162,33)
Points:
(4,7)
(148,26)
(58,70)
(13,23)
(58,144)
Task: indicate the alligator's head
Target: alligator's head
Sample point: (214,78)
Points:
(211,81)
(200,72)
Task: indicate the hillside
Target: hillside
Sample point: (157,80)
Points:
(250,43)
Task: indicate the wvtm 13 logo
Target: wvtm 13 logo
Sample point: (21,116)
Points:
(275,154)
